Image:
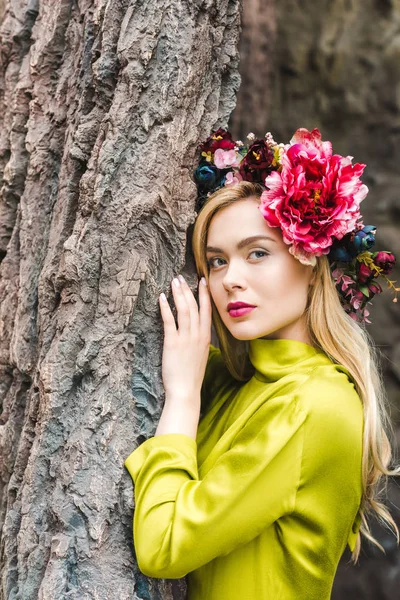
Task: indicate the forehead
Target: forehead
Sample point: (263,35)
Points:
(240,219)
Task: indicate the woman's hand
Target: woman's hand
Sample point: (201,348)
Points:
(186,349)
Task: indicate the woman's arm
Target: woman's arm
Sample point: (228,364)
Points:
(182,522)
(180,415)
(185,356)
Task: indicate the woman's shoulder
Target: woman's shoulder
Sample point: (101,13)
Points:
(329,395)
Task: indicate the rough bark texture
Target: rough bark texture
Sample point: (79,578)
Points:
(102,105)
(335,65)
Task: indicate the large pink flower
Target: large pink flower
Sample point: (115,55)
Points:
(315,197)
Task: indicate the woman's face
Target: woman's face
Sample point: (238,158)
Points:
(261,272)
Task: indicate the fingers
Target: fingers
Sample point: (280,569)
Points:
(192,304)
(182,305)
(167,316)
(205,308)
(190,319)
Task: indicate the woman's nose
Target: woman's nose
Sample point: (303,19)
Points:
(234,276)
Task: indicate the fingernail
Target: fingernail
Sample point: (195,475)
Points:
(176,282)
(163,297)
(181,278)
(203,281)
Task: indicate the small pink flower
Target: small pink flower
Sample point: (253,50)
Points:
(337,273)
(357,299)
(346,282)
(231,178)
(223,159)
(356,303)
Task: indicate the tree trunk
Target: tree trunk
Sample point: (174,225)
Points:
(257,47)
(102,105)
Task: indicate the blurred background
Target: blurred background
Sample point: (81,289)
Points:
(335,65)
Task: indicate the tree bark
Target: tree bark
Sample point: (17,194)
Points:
(257,48)
(102,105)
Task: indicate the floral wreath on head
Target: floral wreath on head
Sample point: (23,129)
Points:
(314,196)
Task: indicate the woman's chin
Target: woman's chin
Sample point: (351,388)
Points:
(246,333)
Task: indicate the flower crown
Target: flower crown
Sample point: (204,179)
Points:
(314,197)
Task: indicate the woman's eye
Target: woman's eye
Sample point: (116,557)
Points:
(259,252)
(211,261)
(212,265)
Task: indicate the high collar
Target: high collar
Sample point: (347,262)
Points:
(275,358)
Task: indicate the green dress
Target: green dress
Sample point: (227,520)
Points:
(262,504)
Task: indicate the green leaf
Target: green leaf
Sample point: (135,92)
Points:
(364,289)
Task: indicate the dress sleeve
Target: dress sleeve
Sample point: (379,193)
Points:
(182,522)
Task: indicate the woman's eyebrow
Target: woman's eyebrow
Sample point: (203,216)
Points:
(242,243)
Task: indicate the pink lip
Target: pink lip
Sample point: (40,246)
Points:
(239,312)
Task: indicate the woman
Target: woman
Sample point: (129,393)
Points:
(269,450)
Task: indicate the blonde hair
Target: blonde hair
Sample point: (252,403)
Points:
(347,343)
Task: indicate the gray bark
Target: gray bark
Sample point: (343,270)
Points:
(102,105)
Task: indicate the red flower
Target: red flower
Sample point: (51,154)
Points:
(315,198)
(384,260)
(219,139)
(365,273)
(257,163)
(375,288)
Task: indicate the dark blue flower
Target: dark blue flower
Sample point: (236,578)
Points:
(364,239)
(352,244)
(207,176)
(339,253)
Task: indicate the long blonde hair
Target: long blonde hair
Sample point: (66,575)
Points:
(346,342)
